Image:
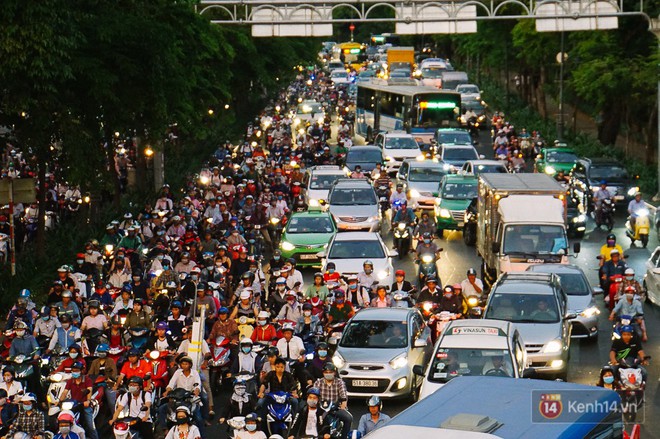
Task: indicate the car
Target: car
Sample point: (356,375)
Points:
(397,146)
(456,194)
(546,329)
(354,205)
(317,182)
(445,64)
(335,65)
(310,110)
(366,75)
(349,250)
(455,156)
(580,297)
(651,281)
(476,167)
(305,234)
(553,160)
(452,136)
(378,350)
(339,77)
(587,174)
(400,73)
(474,343)
(364,155)
(421,180)
(469,92)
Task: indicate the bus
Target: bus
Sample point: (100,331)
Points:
(489,407)
(393,106)
(353,54)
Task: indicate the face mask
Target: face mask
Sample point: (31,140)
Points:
(102,354)
(610,243)
(312,402)
(66,325)
(181,421)
(323,354)
(246,349)
(352,286)
(608,379)
(329,376)
(45,318)
(629,296)
(134,389)
(65,430)
(427,241)
(27,407)
(193,276)
(448,295)
(368,270)
(89,252)
(80,261)
(73,354)
(20,333)
(251,427)
(277,258)
(160,257)
(262,322)
(160,233)
(630,277)
(307,313)
(331,270)
(166,266)
(339,301)
(75,374)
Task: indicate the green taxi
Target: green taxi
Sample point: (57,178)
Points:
(306,234)
(456,193)
(552,160)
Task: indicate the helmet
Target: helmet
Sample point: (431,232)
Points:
(162,325)
(65,416)
(66,293)
(629,272)
(272,351)
(427,235)
(630,289)
(329,367)
(176,304)
(245,294)
(457,287)
(627,328)
(29,397)
(318,274)
(611,237)
(186,359)
(471,272)
(314,391)
(223,310)
(24,293)
(45,310)
(20,324)
(399,273)
(94,304)
(77,365)
(65,318)
(183,408)
(246,341)
(375,401)
(133,352)
(430,279)
(102,347)
(136,380)
(280,281)
(367,262)
(307,306)
(287,327)
(252,417)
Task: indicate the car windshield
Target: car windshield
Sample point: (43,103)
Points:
(320,224)
(467,89)
(401,143)
(560,157)
(610,172)
(367,74)
(426,174)
(309,108)
(352,197)
(535,240)
(459,154)
(459,191)
(449,363)
(456,137)
(356,250)
(522,308)
(490,169)
(432,73)
(339,75)
(324,181)
(364,156)
(375,334)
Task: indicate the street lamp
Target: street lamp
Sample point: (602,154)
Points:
(148,152)
(211,111)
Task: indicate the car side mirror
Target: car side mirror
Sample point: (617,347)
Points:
(495,247)
(597,290)
(570,316)
(393,253)
(530,373)
(417,370)
(576,247)
(420,343)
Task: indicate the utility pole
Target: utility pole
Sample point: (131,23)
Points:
(655,28)
(561,59)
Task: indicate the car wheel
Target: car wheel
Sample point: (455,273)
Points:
(441,233)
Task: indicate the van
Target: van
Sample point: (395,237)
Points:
(475,348)
(451,80)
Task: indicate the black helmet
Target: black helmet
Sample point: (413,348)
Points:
(307,306)
(272,351)
(322,345)
(329,367)
(471,271)
(427,235)
(136,380)
(65,318)
(611,237)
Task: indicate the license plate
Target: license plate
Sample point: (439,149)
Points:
(365,383)
(307,256)
(619,197)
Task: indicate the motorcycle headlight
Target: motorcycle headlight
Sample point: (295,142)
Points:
(274,221)
(473,301)
(382,274)
(633,190)
(427,259)
(414,193)
(287,246)
(313,202)
(643,213)
(68,405)
(401,226)
(552,347)
(399,361)
(154,355)
(580,218)
(204,180)
(56,377)
(590,312)
(444,213)
(550,170)
(427,306)
(338,361)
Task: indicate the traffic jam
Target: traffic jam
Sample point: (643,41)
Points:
(380,254)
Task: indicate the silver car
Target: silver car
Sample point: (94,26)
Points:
(580,297)
(421,180)
(537,304)
(354,205)
(378,350)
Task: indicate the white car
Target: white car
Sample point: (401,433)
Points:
(469,92)
(652,277)
(349,250)
(310,110)
(340,76)
(396,148)
(317,182)
(476,167)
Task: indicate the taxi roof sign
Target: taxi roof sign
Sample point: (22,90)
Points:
(476,330)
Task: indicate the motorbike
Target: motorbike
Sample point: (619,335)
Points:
(470,224)
(402,238)
(92,337)
(427,308)
(279,417)
(159,374)
(402,299)
(139,338)
(605,216)
(24,368)
(177,398)
(331,419)
(219,362)
(383,194)
(439,322)
(624,320)
(427,267)
(275,228)
(54,393)
(245,327)
(124,428)
(641,230)
(632,388)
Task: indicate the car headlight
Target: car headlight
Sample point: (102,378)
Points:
(444,213)
(382,274)
(373,218)
(580,218)
(550,170)
(552,347)
(389,158)
(399,361)
(313,202)
(590,312)
(338,361)
(287,246)
(633,190)
(414,193)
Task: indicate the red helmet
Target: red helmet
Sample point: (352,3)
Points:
(80,256)
(630,289)
(65,417)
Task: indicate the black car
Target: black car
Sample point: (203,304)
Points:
(587,174)
(577,220)
(364,155)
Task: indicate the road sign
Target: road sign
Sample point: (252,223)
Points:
(597,15)
(24,190)
(279,21)
(451,19)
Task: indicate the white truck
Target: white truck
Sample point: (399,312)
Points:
(521,220)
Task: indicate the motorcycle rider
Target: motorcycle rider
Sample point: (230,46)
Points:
(601,195)
(30,420)
(375,418)
(264,331)
(425,225)
(135,399)
(340,310)
(225,327)
(382,299)
(357,172)
(69,307)
(629,281)
(177,321)
(356,294)
(138,317)
(187,378)
(184,428)
(450,302)
(292,309)
(318,288)
(161,341)
(615,265)
(294,279)
(45,326)
(626,348)
(635,206)
(246,361)
(9,385)
(472,286)
(20,313)
(405,214)
(94,320)
(125,302)
(105,366)
(398,195)
(308,422)
(79,389)
(400,282)
(630,306)
(333,389)
(430,293)
(605,250)
(367,278)
(134,366)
